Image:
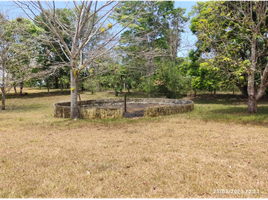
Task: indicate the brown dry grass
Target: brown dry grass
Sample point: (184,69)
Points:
(171,156)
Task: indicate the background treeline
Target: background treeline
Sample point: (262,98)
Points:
(230,53)
(147,58)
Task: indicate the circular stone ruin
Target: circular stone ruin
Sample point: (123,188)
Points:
(114,108)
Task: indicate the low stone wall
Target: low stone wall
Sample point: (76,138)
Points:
(87,110)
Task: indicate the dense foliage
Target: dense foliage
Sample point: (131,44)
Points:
(141,53)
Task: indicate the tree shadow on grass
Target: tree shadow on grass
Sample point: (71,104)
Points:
(37,95)
(238,114)
(140,95)
(22,108)
(225,99)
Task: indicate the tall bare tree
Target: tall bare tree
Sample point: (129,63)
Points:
(90,19)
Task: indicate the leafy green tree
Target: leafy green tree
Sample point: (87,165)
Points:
(155,34)
(54,50)
(202,77)
(19,53)
(170,81)
(91,85)
(233,40)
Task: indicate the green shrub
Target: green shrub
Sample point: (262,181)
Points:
(91,84)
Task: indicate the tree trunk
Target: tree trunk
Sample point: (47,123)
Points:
(115,92)
(15,89)
(82,87)
(122,84)
(194,92)
(61,86)
(98,86)
(115,87)
(190,90)
(74,92)
(3,99)
(214,91)
(21,87)
(252,103)
(263,84)
(3,87)
(244,90)
(56,82)
(40,86)
(48,86)
(99,83)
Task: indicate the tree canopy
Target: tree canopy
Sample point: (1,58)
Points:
(233,40)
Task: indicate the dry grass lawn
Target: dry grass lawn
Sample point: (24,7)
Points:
(171,156)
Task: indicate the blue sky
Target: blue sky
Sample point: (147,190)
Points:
(188,40)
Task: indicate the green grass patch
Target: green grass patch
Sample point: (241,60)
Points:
(228,108)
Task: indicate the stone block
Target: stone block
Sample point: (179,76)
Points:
(172,106)
(58,111)
(66,111)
